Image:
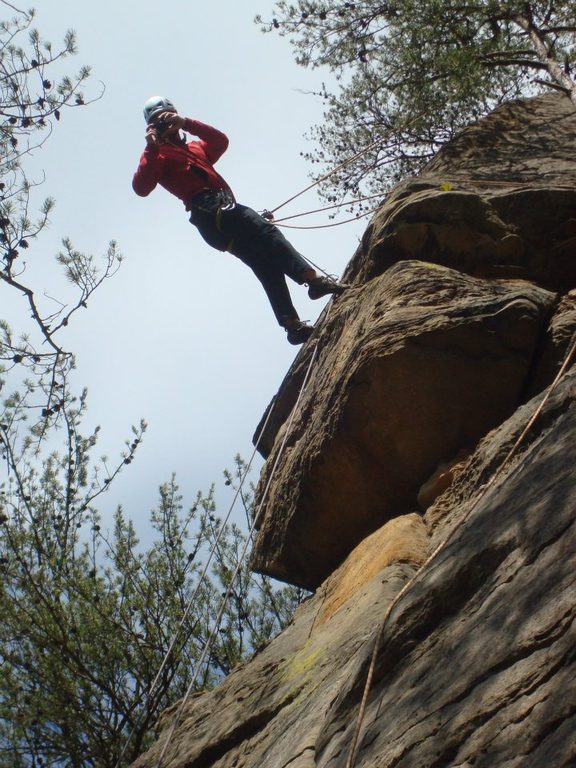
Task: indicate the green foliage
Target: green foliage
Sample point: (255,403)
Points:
(31,105)
(30,101)
(414,72)
(90,617)
(98,633)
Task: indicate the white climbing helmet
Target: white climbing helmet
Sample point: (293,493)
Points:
(156,104)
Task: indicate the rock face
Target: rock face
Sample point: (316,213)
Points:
(403,485)
(477,662)
(279,707)
(428,360)
(416,362)
(497,202)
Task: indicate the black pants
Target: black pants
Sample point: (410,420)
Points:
(259,244)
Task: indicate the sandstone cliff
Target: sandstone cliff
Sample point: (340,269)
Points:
(401,494)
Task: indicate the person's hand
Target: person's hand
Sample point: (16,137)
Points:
(173,121)
(152,138)
(165,126)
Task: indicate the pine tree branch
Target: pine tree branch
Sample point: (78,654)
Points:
(13,7)
(557,30)
(29,293)
(553,85)
(511,62)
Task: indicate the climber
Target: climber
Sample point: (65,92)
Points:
(187,171)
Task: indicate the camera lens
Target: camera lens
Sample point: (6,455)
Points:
(161,125)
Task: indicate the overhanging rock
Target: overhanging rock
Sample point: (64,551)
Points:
(413,367)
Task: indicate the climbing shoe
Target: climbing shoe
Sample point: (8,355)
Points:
(322,286)
(299,332)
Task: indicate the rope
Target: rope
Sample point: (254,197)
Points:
(329,207)
(451,179)
(224,602)
(192,600)
(345,163)
(335,224)
(362,710)
(330,173)
(367,149)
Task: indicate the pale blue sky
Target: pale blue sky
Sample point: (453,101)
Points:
(183,335)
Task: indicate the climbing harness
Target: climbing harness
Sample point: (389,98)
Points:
(206,209)
(212,201)
(570,354)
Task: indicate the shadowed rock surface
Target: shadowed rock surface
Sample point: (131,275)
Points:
(396,494)
(274,705)
(416,363)
(478,658)
(427,361)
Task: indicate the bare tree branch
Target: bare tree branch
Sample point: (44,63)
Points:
(552,66)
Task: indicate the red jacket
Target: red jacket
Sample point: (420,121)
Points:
(183,169)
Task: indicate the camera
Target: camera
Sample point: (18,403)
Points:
(161,124)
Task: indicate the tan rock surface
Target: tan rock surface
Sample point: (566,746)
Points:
(402,540)
(274,705)
(477,662)
(476,665)
(527,141)
(498,201)
(414,366)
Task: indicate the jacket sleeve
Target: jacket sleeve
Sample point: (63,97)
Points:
(214,142)
(148,172)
